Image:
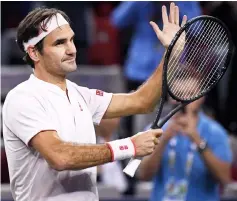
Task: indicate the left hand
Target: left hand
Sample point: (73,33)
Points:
(170,25)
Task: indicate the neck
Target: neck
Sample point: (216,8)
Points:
(57,80)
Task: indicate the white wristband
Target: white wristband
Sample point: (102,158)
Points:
(122,149)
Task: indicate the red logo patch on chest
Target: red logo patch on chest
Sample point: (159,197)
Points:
(99,92)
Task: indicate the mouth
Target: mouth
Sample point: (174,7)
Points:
(70,60)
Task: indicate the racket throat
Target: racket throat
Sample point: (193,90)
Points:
(160,123)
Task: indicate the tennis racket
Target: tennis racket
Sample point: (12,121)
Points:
(195,61)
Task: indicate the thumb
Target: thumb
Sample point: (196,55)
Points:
(157,132)
(156,29)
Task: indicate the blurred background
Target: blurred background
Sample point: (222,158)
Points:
(116,52)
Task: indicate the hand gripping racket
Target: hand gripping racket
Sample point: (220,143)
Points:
(194,63)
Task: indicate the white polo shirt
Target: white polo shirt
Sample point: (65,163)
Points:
(34,106)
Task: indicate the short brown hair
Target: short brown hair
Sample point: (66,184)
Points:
(30,26)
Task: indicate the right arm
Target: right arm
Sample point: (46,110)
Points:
(69,156)
(74,156)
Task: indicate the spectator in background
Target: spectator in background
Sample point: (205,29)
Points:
(193,158)
(103,36)
(145,50)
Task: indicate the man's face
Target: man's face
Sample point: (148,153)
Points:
(59,51)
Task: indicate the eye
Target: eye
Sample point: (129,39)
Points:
(59,42)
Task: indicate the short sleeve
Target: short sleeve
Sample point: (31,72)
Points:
(219,143)
(25,116)
(97,102)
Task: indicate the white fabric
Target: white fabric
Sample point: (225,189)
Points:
(122,149)
(34,106)
(55,22)
(132,166)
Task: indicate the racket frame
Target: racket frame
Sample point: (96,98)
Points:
(165,88)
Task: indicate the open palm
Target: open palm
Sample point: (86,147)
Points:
(170,25)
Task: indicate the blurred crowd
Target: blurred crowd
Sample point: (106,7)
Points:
(109,33)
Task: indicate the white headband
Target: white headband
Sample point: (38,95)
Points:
(55,22)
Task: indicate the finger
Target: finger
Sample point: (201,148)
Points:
(156,141)
(176,21)
(172,11)
(164,15)
(158,132)
(156,29)
(185,18)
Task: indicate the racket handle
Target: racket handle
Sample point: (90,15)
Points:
(132,166)
(134,163)
(154,126)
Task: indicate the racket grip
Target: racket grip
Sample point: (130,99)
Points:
(132,166)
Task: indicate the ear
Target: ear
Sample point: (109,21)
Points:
(33,53)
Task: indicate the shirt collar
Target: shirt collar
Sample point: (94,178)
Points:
(52,87)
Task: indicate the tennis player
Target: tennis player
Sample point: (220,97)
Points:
(48,121)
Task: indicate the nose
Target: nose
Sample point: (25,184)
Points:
(71,49)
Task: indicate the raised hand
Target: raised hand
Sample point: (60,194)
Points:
(190,130)
(145,142)
(170,25)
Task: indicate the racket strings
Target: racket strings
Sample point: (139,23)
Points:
(187,40)
(207,77)
(200,50)
(191,52)
(200,55)
(212,77)
(182,41)
(184,73)
(206,72)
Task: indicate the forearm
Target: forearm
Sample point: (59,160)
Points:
(219,169)
(151,164)
(150,92)
(76,156)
